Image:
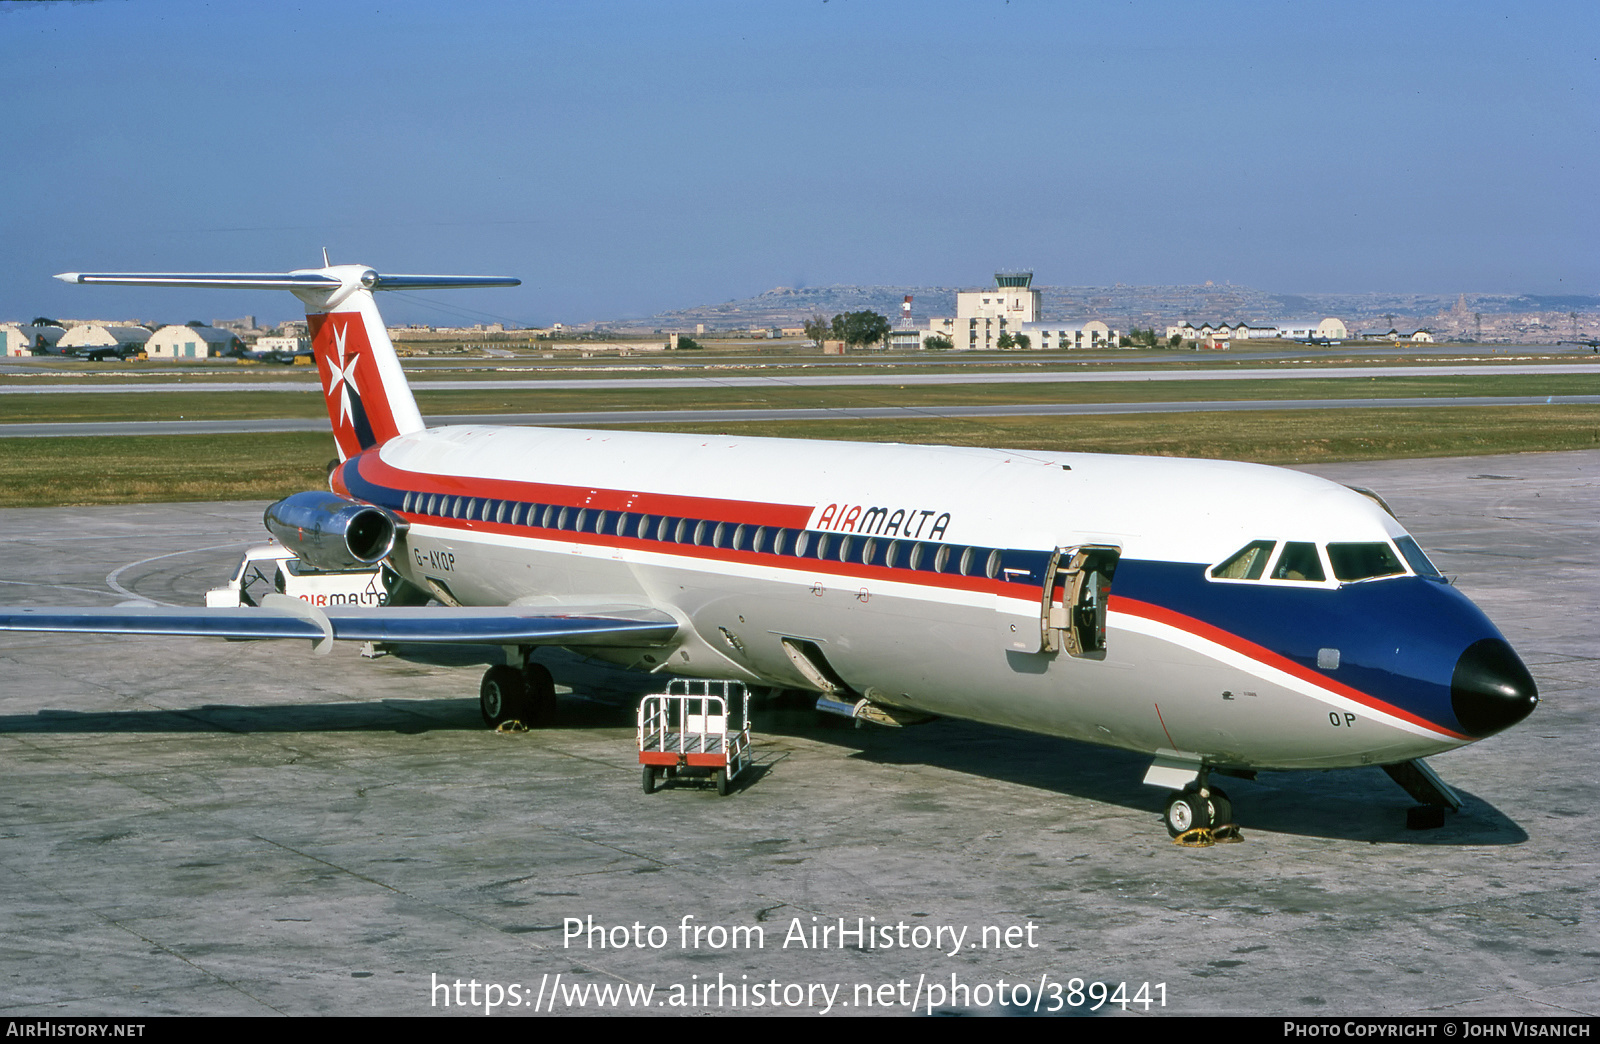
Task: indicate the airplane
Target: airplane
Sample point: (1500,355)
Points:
(1220,618)
(284,356)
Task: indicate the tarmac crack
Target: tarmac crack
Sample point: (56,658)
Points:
(142,937)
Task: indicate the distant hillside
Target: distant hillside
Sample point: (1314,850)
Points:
(1121,306)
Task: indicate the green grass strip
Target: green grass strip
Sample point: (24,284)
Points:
(152,469)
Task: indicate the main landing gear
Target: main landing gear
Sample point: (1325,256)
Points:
(1200,814)
(509,695)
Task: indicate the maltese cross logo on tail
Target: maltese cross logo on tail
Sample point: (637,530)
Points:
(339,343)
(347,375)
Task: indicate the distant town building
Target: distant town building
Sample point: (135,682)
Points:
(190,342)
(1012,307)
(238,326)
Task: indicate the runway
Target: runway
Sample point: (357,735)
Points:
(222,828)
(611,418)
(419,379)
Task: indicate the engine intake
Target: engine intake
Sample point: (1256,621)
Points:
(330,532)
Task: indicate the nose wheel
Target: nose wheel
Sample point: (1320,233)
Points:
(1197,809)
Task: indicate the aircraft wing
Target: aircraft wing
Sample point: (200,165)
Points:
(280,616)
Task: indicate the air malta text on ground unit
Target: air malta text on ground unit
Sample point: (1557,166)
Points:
(913,523)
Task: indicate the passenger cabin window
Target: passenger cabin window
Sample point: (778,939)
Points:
(1248,563)
(1364,561)
(1299,561)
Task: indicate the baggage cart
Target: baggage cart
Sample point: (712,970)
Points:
(687,732)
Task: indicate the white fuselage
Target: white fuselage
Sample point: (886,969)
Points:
(689,524)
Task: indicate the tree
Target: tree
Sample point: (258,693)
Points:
(860,328)
(818,329)
(1004,341)
(1175,341)
(1022,341)
(688,344)
(937,343)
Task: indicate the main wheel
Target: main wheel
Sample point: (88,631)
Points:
(1221,807)
(502,696)
(649,779)
(1186,811)
(541,690)
(722,782)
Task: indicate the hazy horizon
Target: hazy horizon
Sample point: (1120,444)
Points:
(630,159)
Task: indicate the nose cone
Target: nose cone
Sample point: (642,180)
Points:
(1491,689)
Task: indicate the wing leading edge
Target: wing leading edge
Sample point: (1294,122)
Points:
(281,616)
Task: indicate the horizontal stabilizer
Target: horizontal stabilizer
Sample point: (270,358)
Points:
(307,280)
(440,282)
(433,624)
(222,280)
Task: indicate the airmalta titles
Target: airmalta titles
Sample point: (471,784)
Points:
(910,523)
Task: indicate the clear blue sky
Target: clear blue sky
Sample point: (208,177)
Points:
(625,158)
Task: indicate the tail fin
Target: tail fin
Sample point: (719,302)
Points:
(369,401)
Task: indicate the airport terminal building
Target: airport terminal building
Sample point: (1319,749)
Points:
(1012,307)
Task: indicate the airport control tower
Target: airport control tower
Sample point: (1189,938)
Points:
(1012,299)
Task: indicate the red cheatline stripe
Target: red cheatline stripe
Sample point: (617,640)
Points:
(395,478)
(1263,655)
(787,516)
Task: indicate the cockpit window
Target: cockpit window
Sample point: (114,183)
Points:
(1248,563)
(1363,561)
(1418,561)
(1299,561)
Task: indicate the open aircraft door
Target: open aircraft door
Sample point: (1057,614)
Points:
(1077,584)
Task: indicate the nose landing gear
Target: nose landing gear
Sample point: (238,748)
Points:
(1200,815)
